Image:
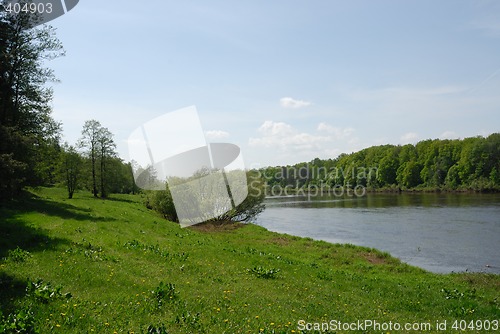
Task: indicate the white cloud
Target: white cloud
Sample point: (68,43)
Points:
(270,128)
(289,145)
(338,133)
(409,138)
(448,135)
(284,136)
(216,134)
(288,102)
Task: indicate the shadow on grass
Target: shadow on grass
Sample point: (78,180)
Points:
(18,238)
(29,202)
(117,199)
(16,232)
(11,289)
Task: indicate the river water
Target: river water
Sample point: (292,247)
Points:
(438,232)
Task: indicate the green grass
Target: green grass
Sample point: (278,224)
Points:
(95,266)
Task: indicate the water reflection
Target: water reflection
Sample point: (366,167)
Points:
(438,232)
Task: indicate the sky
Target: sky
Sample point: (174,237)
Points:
(285,80)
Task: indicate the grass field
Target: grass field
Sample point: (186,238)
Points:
(112,266)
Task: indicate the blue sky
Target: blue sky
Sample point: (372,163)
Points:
(287,81)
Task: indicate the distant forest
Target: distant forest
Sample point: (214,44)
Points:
(470,164)
(32,153)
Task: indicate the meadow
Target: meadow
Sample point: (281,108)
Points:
(89,265)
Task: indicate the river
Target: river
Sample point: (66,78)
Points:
(441,233)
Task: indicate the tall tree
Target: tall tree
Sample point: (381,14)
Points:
(90,141)
(26,127)
(70,166)
(106,151)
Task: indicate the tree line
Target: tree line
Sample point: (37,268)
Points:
(93,164)
(433,164)
(31,151)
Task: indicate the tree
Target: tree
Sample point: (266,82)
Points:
(119,177)
(100,146)
(70,167)
(162,201)
(453,177)
(106,147)
(388,167)
(253,204)
(410,175)
(26,127)
(90,141)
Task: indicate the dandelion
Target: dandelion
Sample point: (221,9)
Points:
(256,317)
(58,325)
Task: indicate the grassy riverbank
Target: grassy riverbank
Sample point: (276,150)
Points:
(114,266)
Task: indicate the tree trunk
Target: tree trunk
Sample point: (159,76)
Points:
(94,181)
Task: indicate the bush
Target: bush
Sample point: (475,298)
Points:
(161,201)
(251,206)
(21,321)
(18,255)
(44,292)
(267,273)
(164,292)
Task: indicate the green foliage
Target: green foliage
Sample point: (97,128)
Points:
(453,177)
(21,321)
(211,288)
(91,252)
(468,164)
(495,176)
(164,292)
(18,255)
(159,329)
(409,174)
(267,273)
(28,134)
(388,166)
(70,168)
(44,292)
(153,249)
(162,202)
(100,149)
